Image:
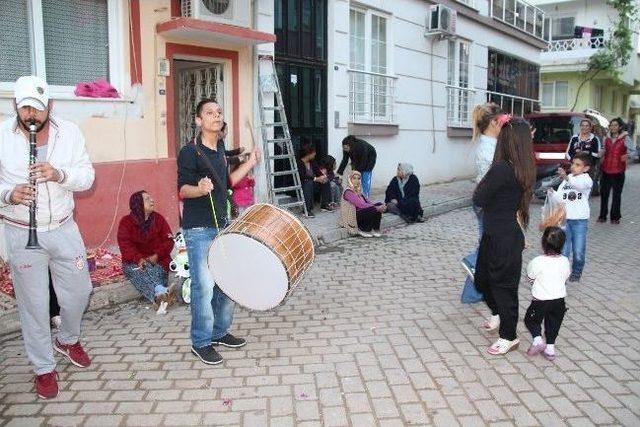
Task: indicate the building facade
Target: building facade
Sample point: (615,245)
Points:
(410,92)
(162,56)
(575,30)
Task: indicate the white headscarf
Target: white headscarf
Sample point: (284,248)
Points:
(407,171)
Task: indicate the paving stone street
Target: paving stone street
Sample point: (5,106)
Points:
(375,335)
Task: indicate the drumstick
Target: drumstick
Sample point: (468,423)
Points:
(259,168)
(215,221)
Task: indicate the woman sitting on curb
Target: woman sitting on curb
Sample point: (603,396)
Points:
(403,194)
(146,242)
(368,215)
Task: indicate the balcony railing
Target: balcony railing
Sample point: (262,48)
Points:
(371,97)
(516,105)
(460,103)
(519,14)
(575,44)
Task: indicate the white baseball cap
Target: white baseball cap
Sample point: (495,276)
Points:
(31,91)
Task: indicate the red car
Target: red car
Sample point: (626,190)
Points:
(550,141)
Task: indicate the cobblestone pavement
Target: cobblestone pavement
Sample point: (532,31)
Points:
(375,335)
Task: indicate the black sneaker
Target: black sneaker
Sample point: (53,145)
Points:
(207,354)
(230,341)
(574,278)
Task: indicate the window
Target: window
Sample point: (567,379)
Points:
(370,84)
(555,94)
(459,94)
(559,28)
(61,41)
(512,83)
(519,14)
(597,98)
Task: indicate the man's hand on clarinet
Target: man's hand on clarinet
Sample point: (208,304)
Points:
(23,194)
(205,185)
(44,172)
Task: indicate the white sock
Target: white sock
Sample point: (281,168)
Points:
(495,318)
(551,349)
(537,340)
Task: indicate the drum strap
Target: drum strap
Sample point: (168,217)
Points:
(214,174)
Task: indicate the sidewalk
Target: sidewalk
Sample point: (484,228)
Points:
(437,199)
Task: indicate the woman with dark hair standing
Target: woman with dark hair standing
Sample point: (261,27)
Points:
(504,195)
(614,164)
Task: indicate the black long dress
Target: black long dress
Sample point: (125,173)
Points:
(499,262)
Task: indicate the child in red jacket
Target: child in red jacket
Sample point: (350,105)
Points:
(146,242)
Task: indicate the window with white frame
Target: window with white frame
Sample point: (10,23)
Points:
(370,84)
(559,28)
(597,97)
(64,42)
(459,92)
(555,94)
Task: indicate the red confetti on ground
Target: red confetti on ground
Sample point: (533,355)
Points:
(108,270)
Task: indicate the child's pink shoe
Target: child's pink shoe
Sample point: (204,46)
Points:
(549,357)
(535,349)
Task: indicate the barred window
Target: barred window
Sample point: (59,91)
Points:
(64,42)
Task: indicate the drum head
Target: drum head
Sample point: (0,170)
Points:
(247,271)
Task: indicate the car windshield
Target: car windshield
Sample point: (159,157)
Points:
(555,129)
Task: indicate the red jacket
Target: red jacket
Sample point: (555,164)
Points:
(613,152)
(134,245)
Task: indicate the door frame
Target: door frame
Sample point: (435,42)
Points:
(204,54)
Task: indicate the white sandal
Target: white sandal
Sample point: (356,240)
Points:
(503,346)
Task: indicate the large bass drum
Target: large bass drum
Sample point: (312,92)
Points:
(261,257)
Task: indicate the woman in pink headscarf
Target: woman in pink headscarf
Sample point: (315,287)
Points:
(146,242)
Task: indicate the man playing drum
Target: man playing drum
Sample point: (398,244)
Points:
(203,183)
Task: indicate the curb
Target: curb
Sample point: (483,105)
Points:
(122,292)
(334,235)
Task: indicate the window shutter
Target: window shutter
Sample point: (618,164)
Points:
(76,40)
(15,44)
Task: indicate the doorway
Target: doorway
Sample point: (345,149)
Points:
(194,81)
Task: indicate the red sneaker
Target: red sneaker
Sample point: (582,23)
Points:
(74,352)
(47,385)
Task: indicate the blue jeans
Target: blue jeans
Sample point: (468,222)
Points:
(473,256)
(366,182)
(211,309)
(576,231)
(150,281)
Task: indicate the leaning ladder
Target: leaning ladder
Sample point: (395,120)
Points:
(268,84)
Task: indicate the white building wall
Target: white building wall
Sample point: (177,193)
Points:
(597,14)
(420,65)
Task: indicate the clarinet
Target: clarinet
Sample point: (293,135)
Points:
(33,233)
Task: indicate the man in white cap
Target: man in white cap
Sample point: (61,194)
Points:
(62,167)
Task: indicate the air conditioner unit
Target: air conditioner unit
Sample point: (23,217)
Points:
(233,12)
(441,19)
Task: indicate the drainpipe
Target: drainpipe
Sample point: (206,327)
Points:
(260,175)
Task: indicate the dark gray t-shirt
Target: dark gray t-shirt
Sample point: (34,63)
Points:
(191,169)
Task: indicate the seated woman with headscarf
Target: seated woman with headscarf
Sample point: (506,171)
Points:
(368,215)
(403,194)
(146,242)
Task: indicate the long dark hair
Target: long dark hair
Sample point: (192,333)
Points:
(514,146)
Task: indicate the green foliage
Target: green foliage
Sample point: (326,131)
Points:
(617,50)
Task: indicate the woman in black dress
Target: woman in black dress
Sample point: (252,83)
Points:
(504,195)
